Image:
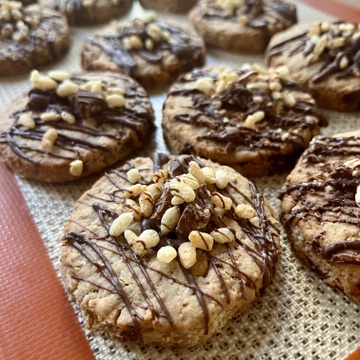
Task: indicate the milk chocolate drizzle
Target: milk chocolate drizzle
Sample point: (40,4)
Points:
(263,251)
(330,58)
(237,101)
(260,14)
(82,105)
(336,200)
(181,44)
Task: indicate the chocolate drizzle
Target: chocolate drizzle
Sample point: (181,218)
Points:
(260,14)
(330,58)
(227,126)
(329,196)
(110,122)
(262,237)
(180,43)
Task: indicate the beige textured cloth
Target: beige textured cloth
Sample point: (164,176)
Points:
(299,317)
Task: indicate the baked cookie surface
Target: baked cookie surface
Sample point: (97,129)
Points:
(168,249)
(324,57)
(177,6)
(242,25)
(70,126)
(254,120)
(151,51)
(321,210)
(89,12)
(30,37)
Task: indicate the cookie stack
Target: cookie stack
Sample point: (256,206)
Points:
(167,247)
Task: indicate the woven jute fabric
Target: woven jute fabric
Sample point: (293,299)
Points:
(299,317)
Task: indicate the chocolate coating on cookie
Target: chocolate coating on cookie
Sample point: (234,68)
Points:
(153,52)
(176,6)
(245,25)
(254,120)
(209,255)
(321,213)
(89,12)
(69,126)
(30,36)
(325,57)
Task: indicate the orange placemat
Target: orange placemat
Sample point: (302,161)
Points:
(37,320)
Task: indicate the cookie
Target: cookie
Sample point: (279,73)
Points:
(89,12)
(321,210)
(70,126)
(30,37)
(324,57)
(176,6)
(242,25)
(167,249)
(254,120)
(151,51)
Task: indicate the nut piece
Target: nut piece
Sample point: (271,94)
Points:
(134,190)
(201,240)
(27,121)
(209,175)
(116,100)
(146,203)
(133,175)
(205,85)
(67,88)
(155,190)
(76,167)
(190,180)
(42,82)
(49,139)
(222,179)
(138,247)
(244,211)
(134,207)
(223,235)
(67,117)
(187,254)
(59,75)
(166,254)
(221,201)
(150,238)
(170,219)
(181,192)
(50,116)
(160,176)
(251,120)
(121,223)
(196,172)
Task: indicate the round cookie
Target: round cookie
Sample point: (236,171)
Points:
(70,126)
(324,57)
(166,250)
(245,25)
(30,37)
(177,6)
(321,210)
(254,120)
(89,12)
(151,51)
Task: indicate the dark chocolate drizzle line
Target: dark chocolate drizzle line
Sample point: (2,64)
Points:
(237,99)
(330,57)
(180,44)
(51,26)
(258,13)
(81,105)
(333,206)
(264,253)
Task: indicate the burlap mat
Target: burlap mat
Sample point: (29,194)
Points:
(299,317)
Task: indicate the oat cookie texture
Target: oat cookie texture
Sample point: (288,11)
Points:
(30,36)
(321,210)
(152,51)
(167,249)
(324,57)
(69,126)
(254,119)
